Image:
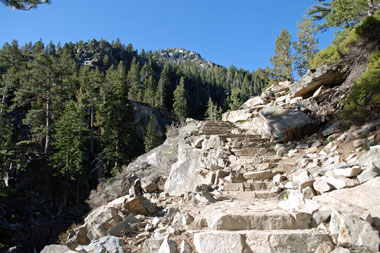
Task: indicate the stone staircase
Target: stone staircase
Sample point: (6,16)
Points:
(256,226)
(248,219)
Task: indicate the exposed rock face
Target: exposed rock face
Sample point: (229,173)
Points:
(316,78)
(141,114)
(285,124)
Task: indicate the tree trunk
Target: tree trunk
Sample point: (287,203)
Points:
(47,122)
(92,131)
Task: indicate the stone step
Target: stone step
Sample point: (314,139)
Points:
(250,195)
(270,220)
(276,241)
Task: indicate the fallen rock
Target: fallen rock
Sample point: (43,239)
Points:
(104,244)
(100,220)
(361,197)
(285,124)
(236,116)
(350,231)
(340,182)
(184,247)
(56,249)
(252,102)
(348,172)
(314,79)
(321,185)
(168,246)
(128,225)
(334,128)
(368,174)
(325,247)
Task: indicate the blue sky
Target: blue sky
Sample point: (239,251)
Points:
(239,32)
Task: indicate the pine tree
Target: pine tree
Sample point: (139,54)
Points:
(25,5)
(180,101)
(236,101)
(39,90)
(211,111)
(68,159)
(114,120)
(134,82)
(152,139)
(149,95)
(91,80)
(283,58)
(163,89)
(306,46)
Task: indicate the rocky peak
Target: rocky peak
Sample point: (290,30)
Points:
(182,56)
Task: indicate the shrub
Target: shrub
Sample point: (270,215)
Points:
(337,50)
(369,28)
(364,99)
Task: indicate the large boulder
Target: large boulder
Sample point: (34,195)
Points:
(183,176)
(236,116)
(104,244)
(56,249)
(357,199)
(285,124)
(350,231)
(313,79)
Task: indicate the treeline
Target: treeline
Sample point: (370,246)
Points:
(69,106)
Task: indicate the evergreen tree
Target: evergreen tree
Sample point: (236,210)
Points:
(114,120)
(180,101)
(134,82)
(39,90)
(68,159)
(283,58)
(152,139)
(236,101)
(90,80)
(211,112)
(163,89)
(25,5)
(342,13)
(306,46)
(149,95)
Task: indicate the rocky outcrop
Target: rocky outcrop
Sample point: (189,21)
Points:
(314,79)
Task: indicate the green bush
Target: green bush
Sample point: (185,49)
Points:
(336,51)
(369,28)
(364,99)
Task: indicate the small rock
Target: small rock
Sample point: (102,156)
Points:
(321,216)
(368,174)
(359,142)
(349,172)
(340,182)
(334,128)
(317,143)
(325,247)
(185,247)
(303,146)
(308,192)
(321,185)
(341,250)
(104,244)
(168,246)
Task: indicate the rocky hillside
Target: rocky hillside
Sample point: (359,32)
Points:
(281,174)
(182,57)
